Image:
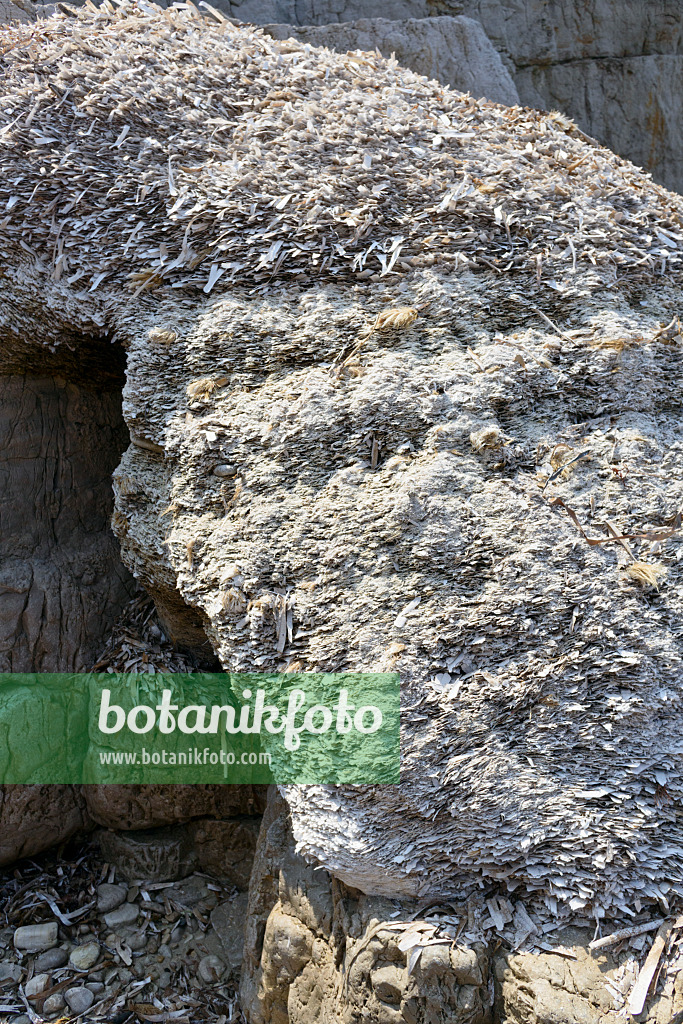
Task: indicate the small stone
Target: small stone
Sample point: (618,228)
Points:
(125,976)
(96,987)
(79,999)
(125,915)
(54,1004)
(224,470)
(21,1019)
(136,941)
(51,959)
(96,976)
(210,969)
(84,957)
(109,897)
(9,972)
(37,984)
(34,937)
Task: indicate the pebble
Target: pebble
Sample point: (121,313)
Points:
(21,1019)
(36,936)
(125,976)
(37,984)
(84,957)
(136,941)
(127,914)
(224,470)
(51,959)
(96,987)
(109,897)
(54,1004)
(210,969)
(9,972)
(79,999)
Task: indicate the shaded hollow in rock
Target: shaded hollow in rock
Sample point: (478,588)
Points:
(62,582)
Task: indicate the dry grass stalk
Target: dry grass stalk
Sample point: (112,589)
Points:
(647,575)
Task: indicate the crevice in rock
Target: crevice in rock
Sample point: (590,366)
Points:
(62,433)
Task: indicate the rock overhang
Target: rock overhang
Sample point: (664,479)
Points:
(360,469)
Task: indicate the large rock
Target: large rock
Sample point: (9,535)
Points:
(615,66)
(483,497)
(62,583)
(633,104)
(143,807)
(35,817)
(455,51)
(61,436)
(224,849)
(316,950)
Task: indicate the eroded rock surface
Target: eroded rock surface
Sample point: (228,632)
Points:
(35,817)
(62,583)
(142,807)
(318,951)
(615,66)
(485,499)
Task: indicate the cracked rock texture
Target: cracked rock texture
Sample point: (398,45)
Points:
(62,583)
(61,579)
(316,950)
(306,489)
(614,66)
(486,500)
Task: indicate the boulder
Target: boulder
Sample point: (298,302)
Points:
(144,807)
(61,583)
(221,848)
(438,339)
(33,818)
(341,953)
(615,66)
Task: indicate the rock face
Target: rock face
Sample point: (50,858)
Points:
(379,473)
(143,807)
(35,817)
(61,436)
(615,66)
(455,51)
(316,950)
(224,849)
(432,344)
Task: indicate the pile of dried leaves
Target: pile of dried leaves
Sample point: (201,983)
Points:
(133,953)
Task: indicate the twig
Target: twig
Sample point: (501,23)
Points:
(626,933)
(551,324)
(641,988)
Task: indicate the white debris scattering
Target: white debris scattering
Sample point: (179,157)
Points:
(172,149)
(483,493)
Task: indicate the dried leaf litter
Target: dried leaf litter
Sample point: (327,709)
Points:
(153,147)
(230,206)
